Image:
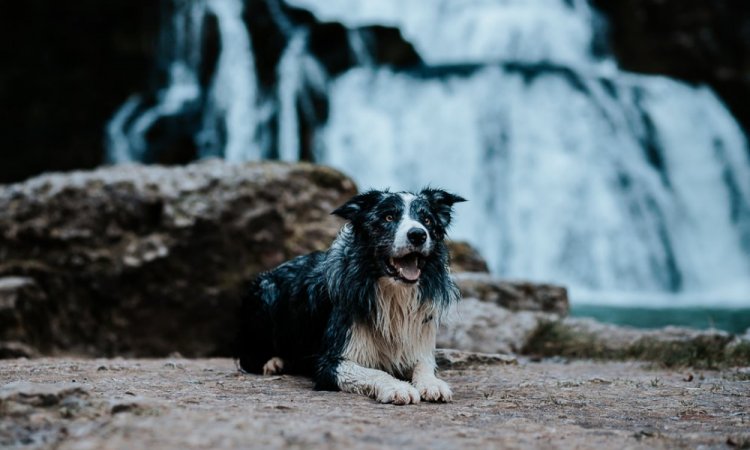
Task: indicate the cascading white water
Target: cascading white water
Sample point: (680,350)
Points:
(625,188)
(297,70)
(607,182)
(234,86)
(560,187)
(289,76)
(460,31)
(126,141)
(230,113)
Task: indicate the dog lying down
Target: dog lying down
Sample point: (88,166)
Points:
(362,316)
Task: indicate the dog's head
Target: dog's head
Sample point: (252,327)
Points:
(401,230)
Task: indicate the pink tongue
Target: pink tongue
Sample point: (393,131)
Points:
(408,269)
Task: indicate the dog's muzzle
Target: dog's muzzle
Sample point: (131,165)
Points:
(407,268)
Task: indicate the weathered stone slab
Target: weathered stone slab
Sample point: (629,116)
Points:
(513,295)
(479,326)
(458,359)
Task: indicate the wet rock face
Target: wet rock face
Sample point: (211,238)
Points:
(705,41)
(148,260)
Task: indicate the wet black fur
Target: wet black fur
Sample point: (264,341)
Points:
(302,310)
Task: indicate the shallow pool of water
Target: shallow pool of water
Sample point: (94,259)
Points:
(732,320)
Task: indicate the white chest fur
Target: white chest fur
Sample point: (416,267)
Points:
(401,334)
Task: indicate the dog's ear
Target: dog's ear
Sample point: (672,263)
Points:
(441,203)
(357,205)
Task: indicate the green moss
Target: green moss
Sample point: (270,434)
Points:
(703,352)
(738,354)
(709,351)
(557,339)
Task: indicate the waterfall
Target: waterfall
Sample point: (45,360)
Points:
(558,170)
(126,132)
(234,85)
(290,81)
(460,31)
(626,188)
(227,104)
(297,72)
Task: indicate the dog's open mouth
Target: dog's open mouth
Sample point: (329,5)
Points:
(406,268)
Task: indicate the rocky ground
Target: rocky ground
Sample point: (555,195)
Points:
(205,403)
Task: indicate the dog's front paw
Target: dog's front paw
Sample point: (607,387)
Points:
(397,392)
(273,366)
(434,390)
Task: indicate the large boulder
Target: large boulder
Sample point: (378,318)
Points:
(500,316)
(134,260)
(479,326)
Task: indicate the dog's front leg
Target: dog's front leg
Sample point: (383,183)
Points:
(352,377)
(430,387)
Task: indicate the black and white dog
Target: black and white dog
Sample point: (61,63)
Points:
(362,316)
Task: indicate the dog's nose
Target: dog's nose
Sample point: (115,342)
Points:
(416,236)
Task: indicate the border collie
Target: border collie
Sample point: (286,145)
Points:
(362,316)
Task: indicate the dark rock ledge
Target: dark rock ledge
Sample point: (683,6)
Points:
(135,260)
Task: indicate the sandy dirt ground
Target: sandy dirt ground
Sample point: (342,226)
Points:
(180,403)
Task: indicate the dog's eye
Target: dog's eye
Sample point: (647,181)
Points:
(389,218)
(427,220)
